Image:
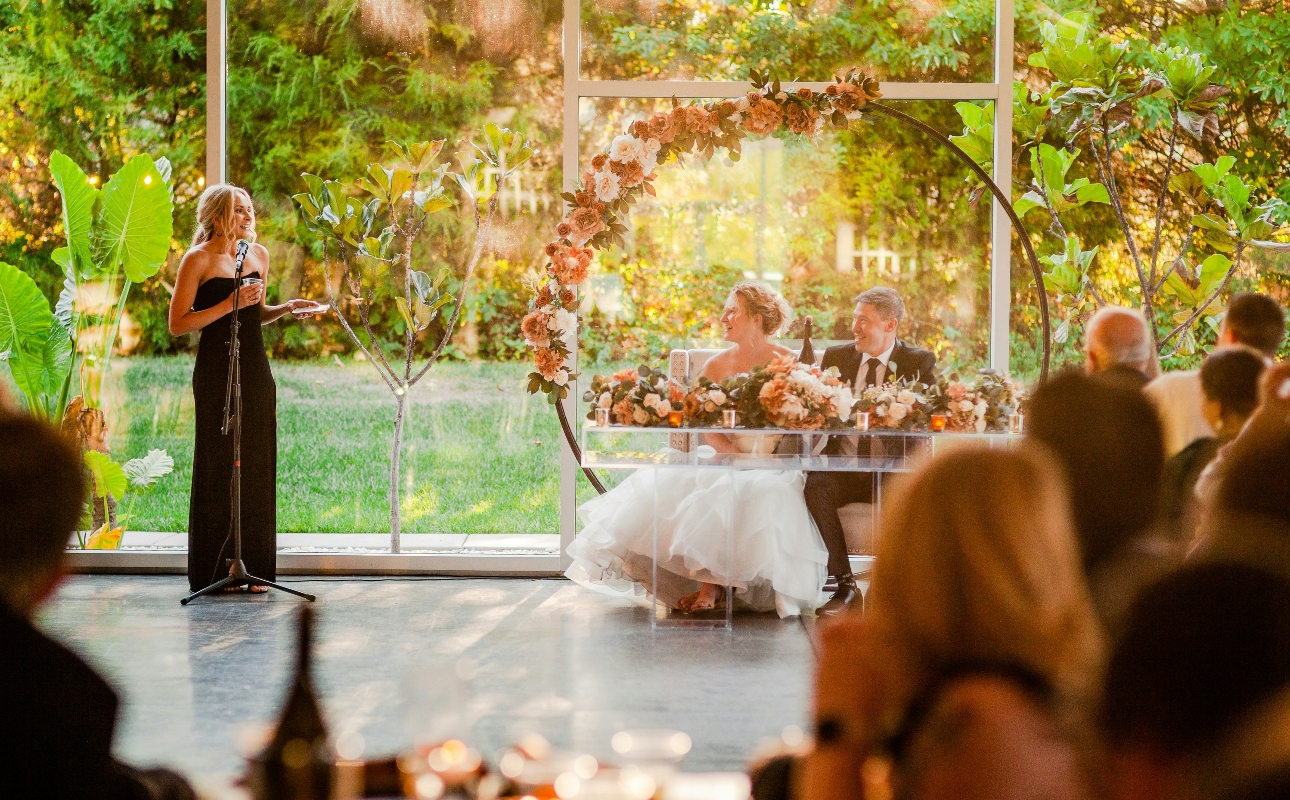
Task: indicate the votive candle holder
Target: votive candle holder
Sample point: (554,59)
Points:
(602,417)
(862,420)
(674,419)
(1016,422)
(938,422)
(729,417)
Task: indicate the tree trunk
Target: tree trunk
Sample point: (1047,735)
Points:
(396,508)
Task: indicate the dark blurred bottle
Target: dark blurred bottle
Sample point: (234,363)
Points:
(807,356)
(298,763)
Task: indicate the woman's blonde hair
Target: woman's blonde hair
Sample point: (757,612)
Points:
(978,562)
(760,298)
(216,206)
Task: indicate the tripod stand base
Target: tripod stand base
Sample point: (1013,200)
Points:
(238,576)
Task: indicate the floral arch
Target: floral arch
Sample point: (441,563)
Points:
(619,177)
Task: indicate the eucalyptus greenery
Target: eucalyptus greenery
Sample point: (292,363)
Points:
(373,240)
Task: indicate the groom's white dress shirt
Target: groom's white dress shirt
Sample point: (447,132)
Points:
(878,364)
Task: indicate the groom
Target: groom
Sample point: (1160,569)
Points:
(877,357)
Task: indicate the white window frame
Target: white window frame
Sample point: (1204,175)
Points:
(576,87)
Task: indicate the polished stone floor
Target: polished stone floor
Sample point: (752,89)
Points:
(545,655)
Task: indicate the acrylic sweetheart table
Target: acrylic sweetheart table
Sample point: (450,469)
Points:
(621,447)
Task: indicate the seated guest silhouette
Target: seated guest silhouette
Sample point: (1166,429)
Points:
(58,715)
(1117,347)
(877,357)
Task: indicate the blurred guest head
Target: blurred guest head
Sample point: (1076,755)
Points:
(42,496)
(1249,519)
(1201,649)
(1107,440)
(7,405)
(1229,381)
(1254,320)
(978,563)
(1118,341)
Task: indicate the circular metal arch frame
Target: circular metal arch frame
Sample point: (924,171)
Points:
(1035,270)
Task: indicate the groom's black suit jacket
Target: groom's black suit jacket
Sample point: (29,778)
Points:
(908,363)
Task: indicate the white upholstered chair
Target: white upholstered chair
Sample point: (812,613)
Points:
(857,518)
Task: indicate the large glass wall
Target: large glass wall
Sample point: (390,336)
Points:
(321,87)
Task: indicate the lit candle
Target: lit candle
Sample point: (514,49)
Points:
(862,420)
(938,422)
(729,417)
(1015,421)
(602,417)
(674,419)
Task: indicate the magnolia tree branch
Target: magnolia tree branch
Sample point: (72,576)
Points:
(1200,309)
(1160,203)
(1184,249)
(340,315)
(481,237)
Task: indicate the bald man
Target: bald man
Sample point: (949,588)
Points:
(1117,347)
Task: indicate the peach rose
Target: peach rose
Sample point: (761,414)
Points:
(764,117)
(598,163)
(623,412)
(548,362)
(583,223)
(534,328)
(805,93)
(800,118)
(545,295)
(629,173)
(639,129)
(569,269)
(663,127)
(698,119)
(563,230)
(569,299)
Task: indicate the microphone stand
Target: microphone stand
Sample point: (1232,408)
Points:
(237,574)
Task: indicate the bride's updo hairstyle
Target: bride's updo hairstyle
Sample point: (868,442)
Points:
(216,206)
(758,298)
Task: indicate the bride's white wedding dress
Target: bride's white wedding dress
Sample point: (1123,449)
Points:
(780,561)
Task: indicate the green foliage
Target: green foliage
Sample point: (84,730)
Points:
(109,476)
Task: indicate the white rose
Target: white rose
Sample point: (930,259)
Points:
(652,400)
(897,411)
(717,396)
(607,186)
(648,163)
(639,416)
(965,406)
(885,397)
(605,400)
(907,397)
(625,148)
(652,147)
(981,408)
(561,377)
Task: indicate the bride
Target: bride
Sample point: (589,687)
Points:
(779,558)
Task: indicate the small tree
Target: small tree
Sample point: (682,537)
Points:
(373,241)
(1092,108)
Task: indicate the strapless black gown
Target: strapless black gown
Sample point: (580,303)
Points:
(209,539)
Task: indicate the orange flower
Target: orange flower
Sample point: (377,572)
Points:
(534,328)
(639,129)
(569,299)
(545,295)
(664,127)
(548,362)
(629,173)
(805,93)
(584,223)
(675,394)
(763,117)
(626,375)
(598,163)
(800,118)
(623,411)
(698,119)
(569,268)
(563,229)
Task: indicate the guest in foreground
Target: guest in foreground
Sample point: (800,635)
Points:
(779,559)
(1253,320)
(1203,649)
(968,674)
(1117,347)
(1106,439)
(203,301)
(58,715)
(1230,384)
(876,357)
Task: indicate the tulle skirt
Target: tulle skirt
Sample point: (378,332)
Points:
(779,560)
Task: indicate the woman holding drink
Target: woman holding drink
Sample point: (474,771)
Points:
(203,300)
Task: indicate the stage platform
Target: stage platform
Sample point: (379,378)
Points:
(549,654)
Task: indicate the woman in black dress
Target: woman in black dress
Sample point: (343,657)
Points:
(203,300)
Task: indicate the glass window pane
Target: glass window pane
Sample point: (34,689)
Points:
(320,87)
(901,40)
(823,219)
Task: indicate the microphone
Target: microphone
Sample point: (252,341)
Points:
(242,246)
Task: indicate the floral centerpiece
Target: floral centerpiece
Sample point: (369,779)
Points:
(983,406)
(642,397)
(705,401)
(789,394)
(904,405)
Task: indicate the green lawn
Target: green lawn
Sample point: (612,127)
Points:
(480,454)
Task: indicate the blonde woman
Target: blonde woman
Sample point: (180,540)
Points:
(779,557)
(203,301)
(969,673)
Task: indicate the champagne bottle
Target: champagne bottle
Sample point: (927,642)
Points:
(297,764)
(807,355)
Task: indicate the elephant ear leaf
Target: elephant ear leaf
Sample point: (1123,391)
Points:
(109,477)
(145,471)
(65,308)
(135,220)
(78,196)
(24,312)
(40,369)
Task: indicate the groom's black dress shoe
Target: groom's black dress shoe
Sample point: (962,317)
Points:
(845,594)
